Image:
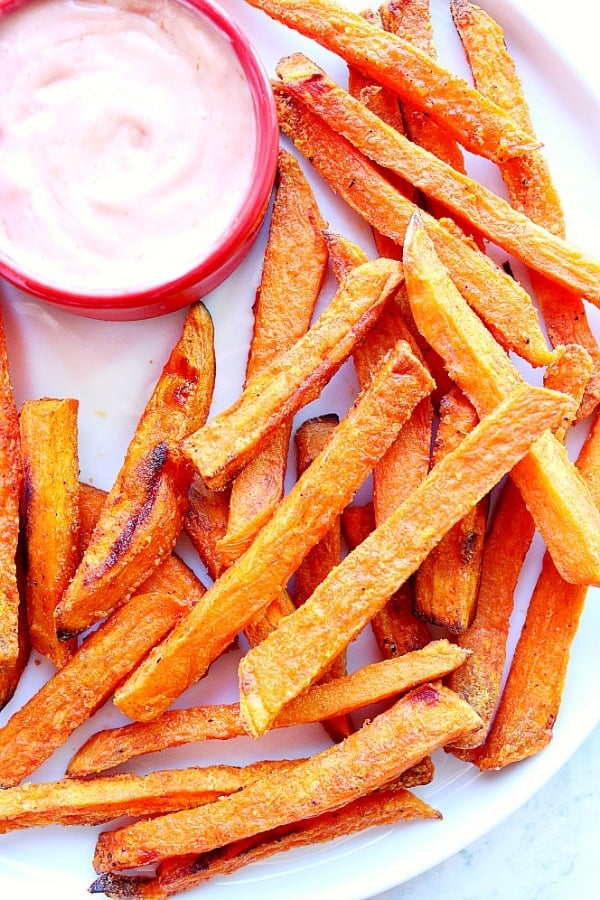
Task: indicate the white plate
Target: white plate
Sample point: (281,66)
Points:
(112,368)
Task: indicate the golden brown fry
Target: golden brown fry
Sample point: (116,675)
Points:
(447,582)
(226,443)
(387,59)
(299,522)
(349,597)
(528,179)
(485,211)
(504,305)
(89,802)
(14,637)
(77,690)
(417,724)
(371,684)
(143,514)
(49,445)
(294,267)
(554,492)
(384,807)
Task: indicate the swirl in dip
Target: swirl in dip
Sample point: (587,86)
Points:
(127,140)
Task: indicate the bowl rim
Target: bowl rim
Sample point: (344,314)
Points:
(241,228)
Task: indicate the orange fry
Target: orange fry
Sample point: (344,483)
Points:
(349,597)
(554,492)
(294,266)
(77,690)
(383,807)
(531,699)
(504,305)
(426,718)
(51,509)
(528,179)
(143,514)
(487,212)
(301,519)
(14,636)
(478,124)
(371,684)
(448,580)
(230,439)
(89,802)
(509,537)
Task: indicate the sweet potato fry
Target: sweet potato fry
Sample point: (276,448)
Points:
(301,519)
(485,211)
(349,597)
(310,439)
(504,305)
(172,575)
(402,467)
(479,679)
(89,802)
(371,684)
(77,690)
(205,524)
(472,120)
(14,636)
(447,582)
(225,444)
(555,494)
(49,445)
(528,179)
(294,267)
(426,718)
(143,513)
(530,701)
(383,807)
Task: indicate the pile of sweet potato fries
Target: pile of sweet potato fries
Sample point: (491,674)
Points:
(92,581)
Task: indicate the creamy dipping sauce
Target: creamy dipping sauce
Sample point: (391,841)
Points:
(127,141)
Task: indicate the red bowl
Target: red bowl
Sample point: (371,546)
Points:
(228,249)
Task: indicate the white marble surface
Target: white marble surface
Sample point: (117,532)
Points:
(547,850)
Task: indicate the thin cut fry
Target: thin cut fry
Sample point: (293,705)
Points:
(504,305)
(479,680)
(384,807)
(89,802)
(310,439)
(143,513)
(475,122)
(77,690)
(294,267)
(554,492)
(494,217)
(447,582)
(528,179)
(402,467)
(299,522)
(230,439)
(417,724)
(359,586)
(51,509)
(206,522)
(371,684)
(14,636)
(531,699)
